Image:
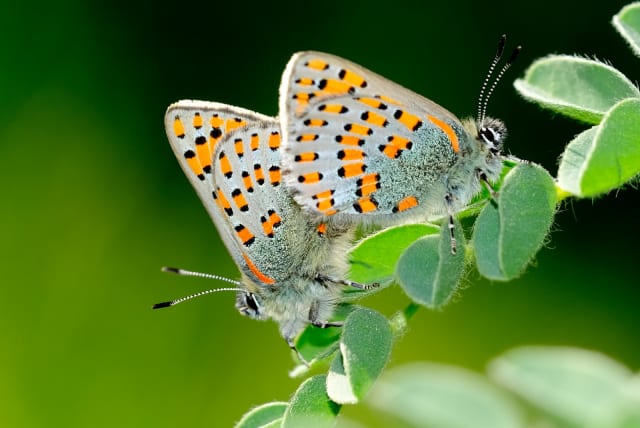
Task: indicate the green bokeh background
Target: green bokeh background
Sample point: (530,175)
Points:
(94,203)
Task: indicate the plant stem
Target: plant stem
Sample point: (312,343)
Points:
(400,320)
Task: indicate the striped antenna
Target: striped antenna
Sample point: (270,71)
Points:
(481,103)
(485,94)
(201,293)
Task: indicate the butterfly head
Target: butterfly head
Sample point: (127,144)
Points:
(491,133)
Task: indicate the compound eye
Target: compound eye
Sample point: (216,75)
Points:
(250,302)
(488,135)
(492,138)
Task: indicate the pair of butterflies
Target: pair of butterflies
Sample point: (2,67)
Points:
(349,147)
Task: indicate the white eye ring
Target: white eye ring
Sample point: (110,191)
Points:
(489,135)
(251,302)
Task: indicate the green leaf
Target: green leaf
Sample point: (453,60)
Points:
(263,415)
(627,22)
(485,240)
(314,344)
(574,161)
(581,387)
(339,388)
(436,395)
(365,348)
(580,88)
(374,258)
(606,156)
(428,272)
(507,237)
(310,406)
(317,343)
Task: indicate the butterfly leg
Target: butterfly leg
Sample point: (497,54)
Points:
(482,176)
(293,347)
(314,321)
(346,282)
(448,198)
(325,324)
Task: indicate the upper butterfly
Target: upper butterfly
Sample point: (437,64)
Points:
(288,263)
(359,147)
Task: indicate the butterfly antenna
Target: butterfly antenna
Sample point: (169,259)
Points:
(184,272)
(201,293)
(504,68)
(481,103)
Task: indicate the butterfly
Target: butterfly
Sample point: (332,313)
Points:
(360,148)
(288,262)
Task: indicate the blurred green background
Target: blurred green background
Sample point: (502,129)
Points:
(94,203)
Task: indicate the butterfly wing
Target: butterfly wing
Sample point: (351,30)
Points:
(195,129)
(232,158)
(357,143)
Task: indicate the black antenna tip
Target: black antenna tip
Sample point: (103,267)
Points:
(170,269)
(514,54)
(501,44)
(162,305)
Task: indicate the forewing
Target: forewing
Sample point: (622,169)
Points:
(195,129)
(344,127)
(271,238)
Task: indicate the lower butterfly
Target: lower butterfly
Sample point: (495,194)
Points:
(291,267)
(361,148)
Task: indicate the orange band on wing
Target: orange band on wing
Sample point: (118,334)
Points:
(197,121)
(274,140)
(255,141)
(306,81)
(194,164)
(352,170)
(216,121)
(274,175)
(332,86)
(317,64)
(349,140)
(333,108)
(368,184)
(365,205)
(405,204)
(239,147)
(254,269)
(356,128)
(204,155)
(225,165)
(274,218)
(351,155)
(388,99)
(234,123)
(447,129)
(259,173)
(178,127)
(372,102)
(374,119)
(353,78)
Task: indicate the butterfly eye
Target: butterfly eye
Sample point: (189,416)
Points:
(251,302)
(492,133)
(489,136)
(247,304)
